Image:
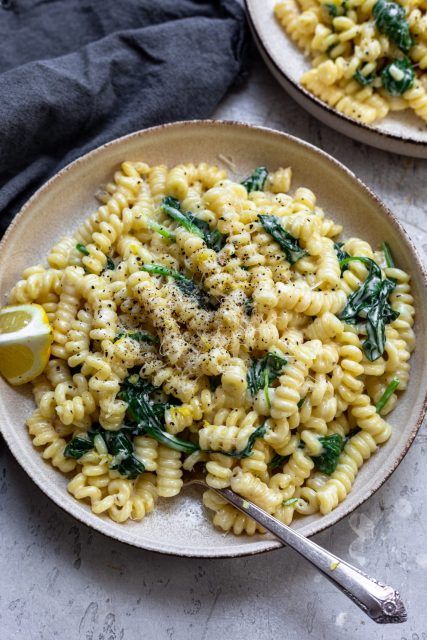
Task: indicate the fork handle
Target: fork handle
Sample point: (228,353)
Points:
(380,602)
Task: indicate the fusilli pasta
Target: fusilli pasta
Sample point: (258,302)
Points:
(202,322)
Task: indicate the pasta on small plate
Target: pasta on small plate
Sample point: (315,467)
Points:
(361,67)
(206,317)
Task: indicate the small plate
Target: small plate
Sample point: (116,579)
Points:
(181,526)
(400,132)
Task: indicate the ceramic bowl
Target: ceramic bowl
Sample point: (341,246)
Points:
(181,526)
(400,132)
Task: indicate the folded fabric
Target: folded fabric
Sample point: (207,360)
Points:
(77,73)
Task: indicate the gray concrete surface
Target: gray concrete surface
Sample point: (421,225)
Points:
(58,579)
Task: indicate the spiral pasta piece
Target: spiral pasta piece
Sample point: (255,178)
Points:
(288,393)
(227,518)
(169,472)
(59,255)
(80,488)
(219,471)
(369,420)
(44,435)
(66,310)
(146,449)
(312,303)
(416,98)
(37,282)
(78,338)
(254,489)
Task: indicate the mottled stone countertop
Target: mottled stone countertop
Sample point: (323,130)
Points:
(59,579)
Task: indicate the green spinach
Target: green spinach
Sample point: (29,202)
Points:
(335,10)
(388,256)
(256,181)
(80,247)
(332,9)
(369,303)
(341,255)
(363,296)
(264,371)
(139,336)
(391,388)
(364,80)
(118,445)
(285,240)
(148,417)
(378,315)
(277,461)
(172,208)
(213,238)
(398,76)
(390,19)
(249,307)
(130,466)
(124,460)
(289,502)
(79,445)
(110,264)
(162,230)
(328,460)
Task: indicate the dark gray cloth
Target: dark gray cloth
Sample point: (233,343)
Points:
(77,73)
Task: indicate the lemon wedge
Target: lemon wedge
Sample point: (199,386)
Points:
(25,340)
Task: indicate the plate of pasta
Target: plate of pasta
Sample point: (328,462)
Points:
(218,298)
(359,67)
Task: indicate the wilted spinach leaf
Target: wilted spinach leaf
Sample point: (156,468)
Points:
(364,80)
(289,245)
(256,181)
(390,19)
(213,238)
(78,446)
(149,415)
(264,371)
(328,460)
(398,76)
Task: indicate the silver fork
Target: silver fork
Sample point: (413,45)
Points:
(380,602)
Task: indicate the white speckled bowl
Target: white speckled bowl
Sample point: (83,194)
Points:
(181,526)
(400,132)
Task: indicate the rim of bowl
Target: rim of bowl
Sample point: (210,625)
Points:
(271,544)
(310,96)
